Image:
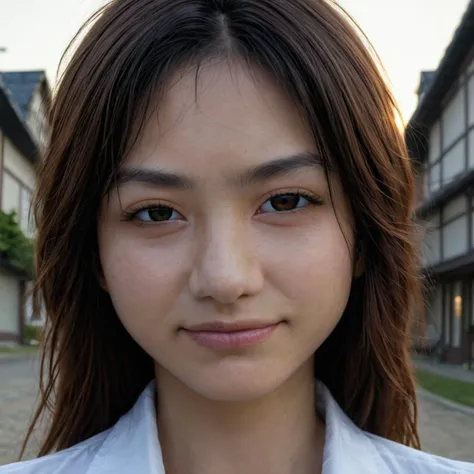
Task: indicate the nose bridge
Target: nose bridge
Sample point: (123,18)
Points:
(226,264)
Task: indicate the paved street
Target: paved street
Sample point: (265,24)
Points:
(444,431)
(18,382)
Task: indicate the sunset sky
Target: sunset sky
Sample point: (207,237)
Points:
(409,35)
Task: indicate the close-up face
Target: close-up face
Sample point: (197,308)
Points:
(222,251)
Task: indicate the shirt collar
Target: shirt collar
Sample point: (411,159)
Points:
(347,448)
(132,445)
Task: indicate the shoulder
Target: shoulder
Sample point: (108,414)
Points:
(75,460)
(399,459)
(350,450)
(128,446)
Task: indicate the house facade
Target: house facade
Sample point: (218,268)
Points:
(440,139)
(24,99)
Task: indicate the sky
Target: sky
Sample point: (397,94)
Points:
(408,35)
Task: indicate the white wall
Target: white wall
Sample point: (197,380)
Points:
(434,143)
(434,313)
(10,194)
(471,100)
(472,312)
(471,149)
(431,241)
(454,162)
(470,68)
(9,307)
(18,165)
(454,118)
(455,233)
(448,129)
(435,177)
(18,184)
(447,319)
(455,208)
(455,241)
(457,320)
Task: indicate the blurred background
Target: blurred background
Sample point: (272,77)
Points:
(427,49)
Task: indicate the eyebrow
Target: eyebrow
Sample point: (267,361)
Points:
(159,178)
(259,174)
(280,167)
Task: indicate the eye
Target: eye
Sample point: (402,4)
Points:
(287,202)
(157,214)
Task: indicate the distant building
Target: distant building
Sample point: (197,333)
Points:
(440,138)
(24,102)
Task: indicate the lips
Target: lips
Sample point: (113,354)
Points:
(225,336)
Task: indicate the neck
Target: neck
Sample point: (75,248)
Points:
(279,433)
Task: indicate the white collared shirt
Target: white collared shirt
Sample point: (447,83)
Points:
(132,446)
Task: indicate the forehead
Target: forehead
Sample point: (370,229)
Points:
(221,115)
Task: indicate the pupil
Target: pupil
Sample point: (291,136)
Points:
(287,202)
(160,213)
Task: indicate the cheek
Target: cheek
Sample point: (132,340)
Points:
(143,280)
(315,273)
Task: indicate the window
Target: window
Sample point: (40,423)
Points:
(457,301)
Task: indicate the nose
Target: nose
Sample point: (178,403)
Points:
(226,266)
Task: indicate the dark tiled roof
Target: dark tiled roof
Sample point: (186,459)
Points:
(20,87)
(14,127)
(442,80)
(426,80)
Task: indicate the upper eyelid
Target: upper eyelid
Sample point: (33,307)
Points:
(144,205)
(303,192)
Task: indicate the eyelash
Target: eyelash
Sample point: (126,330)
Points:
(132,214)
(312,199)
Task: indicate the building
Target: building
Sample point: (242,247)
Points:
(24,102)
(440,139)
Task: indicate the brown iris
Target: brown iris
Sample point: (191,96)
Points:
(285,202)
(159,214)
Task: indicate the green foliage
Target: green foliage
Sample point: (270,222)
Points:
(32,333)
(455,390)
(15,247)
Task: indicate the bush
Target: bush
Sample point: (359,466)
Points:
(14,245)
(32,333)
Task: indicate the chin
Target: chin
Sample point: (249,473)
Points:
(236,384)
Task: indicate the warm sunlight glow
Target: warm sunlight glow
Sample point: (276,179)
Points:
(458,306)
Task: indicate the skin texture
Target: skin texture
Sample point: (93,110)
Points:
(227,255)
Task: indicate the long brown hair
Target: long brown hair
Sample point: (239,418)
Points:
(92,370)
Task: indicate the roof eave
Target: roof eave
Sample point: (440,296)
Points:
(446,74)
(14,127)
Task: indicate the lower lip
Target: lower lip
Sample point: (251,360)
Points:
(231,340)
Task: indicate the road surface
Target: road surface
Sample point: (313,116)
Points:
(444,431)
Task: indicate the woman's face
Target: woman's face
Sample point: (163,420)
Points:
(220,246)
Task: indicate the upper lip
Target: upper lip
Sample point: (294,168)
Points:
(222,326)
